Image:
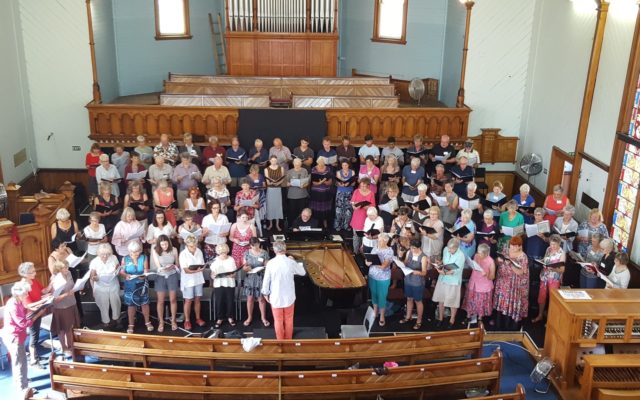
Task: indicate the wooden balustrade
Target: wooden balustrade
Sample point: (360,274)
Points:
(403,123)
(30,242)
(119,123)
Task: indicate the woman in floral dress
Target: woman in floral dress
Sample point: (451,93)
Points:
(241,233)
(344,190)
(511,293)
(254,258)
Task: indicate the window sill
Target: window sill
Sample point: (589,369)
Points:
(174,37)
(389,41)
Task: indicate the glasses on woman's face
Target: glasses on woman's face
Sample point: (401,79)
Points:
(215,207)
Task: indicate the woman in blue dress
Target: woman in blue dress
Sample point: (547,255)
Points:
(136,288)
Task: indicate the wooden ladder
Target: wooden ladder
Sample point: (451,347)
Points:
(219,51)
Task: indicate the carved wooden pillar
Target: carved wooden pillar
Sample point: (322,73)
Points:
(587,100)
(13,192)
(41,214)
(68,189)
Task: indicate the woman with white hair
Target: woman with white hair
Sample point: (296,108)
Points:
(380,276)
(462,173)
(224,282)
(14,334)
(566,227)
(478,299)
(136,289)
(106,287)
(447,290)
(591,226)
(127,230)
(420,212)
(64,228)
(524,199)
(372,223)
(474,201)
(191,280)
(95,233)
(488,231)
(510,218)
(432,241)
(468,241)
(33,300)
(107,172)
(412,176)
(219,191)
(298,193)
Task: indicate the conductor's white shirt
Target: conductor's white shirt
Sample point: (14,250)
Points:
(278,281)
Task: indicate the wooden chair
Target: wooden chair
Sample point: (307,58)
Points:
(153,349)
(447,380)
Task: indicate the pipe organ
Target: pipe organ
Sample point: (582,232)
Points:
(289,37)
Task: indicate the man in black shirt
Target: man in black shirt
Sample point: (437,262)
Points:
(304,221)
(442,153)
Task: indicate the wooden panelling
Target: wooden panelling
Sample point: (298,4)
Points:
(402,123)
(494,148)
(506,178)
(113,123)
(317,89)
(277,81)
(431,87)
(272,54)
(33,246)
(215,100)
(344,102)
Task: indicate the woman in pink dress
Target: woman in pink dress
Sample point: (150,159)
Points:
(241,232)
(369,170)
(360,196)
(478,299)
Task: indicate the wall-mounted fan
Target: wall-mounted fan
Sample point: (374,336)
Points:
(416,89)
(531,164)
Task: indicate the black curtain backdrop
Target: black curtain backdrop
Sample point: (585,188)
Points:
(287,124)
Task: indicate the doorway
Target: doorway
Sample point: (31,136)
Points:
(560,169)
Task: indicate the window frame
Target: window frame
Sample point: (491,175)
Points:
(376,22)
(187,24)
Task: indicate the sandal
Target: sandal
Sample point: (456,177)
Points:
(130,329)
(232,322)
(381,322)
(174,326)
(161,327)
(149,326)
(200,322)
(218,324)
(247,323)
(266,323)
(403,321)
(417,326)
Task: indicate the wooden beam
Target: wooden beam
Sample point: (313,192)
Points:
(587,100)
(465,48)
(97,96)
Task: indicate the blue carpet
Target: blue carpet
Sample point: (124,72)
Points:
(516,369)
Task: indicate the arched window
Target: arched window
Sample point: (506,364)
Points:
(390,21)
(172,19)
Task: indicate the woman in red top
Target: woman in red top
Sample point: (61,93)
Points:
(92,161)
(163,199)
(33,300)
(554,203)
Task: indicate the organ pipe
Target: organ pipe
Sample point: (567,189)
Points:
(287,16)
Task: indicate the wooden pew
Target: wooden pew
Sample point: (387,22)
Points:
(519,394)
(609,371)
(278,81)
(447,380)
(301,101)
(205,88)
(151,349)
(222,100)
(609,394)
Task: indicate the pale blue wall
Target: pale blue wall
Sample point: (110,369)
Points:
(143,62)
(452,59)
(105,47)
(420,57)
